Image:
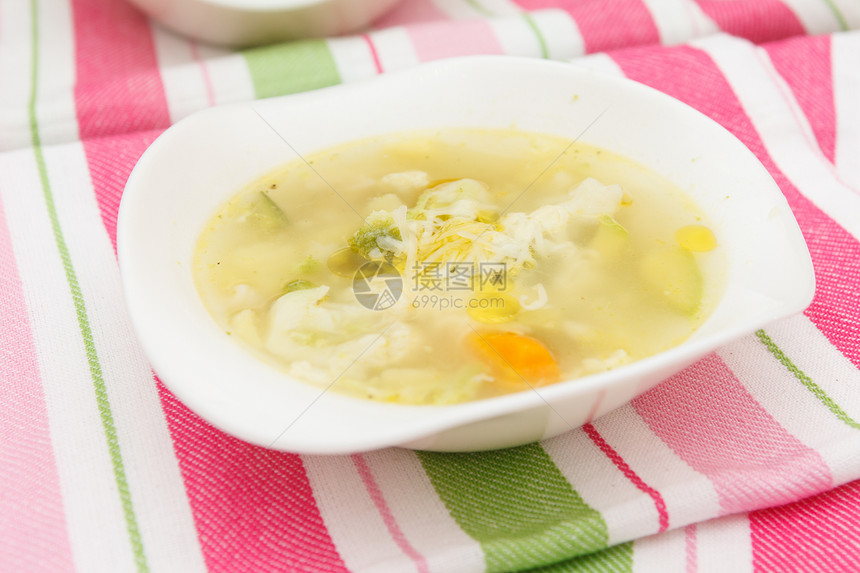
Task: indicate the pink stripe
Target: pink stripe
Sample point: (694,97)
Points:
(118,95)
(110,161)
(435,41)
(805,65)
(204,71)
(374,54)
(118,88)
(253,508)
(32,522)
(628,472)
(835,253)
(756,20)
(691,548)
(710,420)
(382,507)
(606,24)
(811,140)
(411,12)
(819,534)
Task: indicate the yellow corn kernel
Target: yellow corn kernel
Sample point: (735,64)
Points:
(493,308)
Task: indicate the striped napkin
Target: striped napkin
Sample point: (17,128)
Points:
(748,460)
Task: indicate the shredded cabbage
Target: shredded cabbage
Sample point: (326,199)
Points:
(456,222)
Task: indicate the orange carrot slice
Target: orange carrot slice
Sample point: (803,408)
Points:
(516,360)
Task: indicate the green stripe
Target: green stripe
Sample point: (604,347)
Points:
(517,505)
(616,559)
(544,50)
(837,14)
(816,390)
(81,312)
(290,68)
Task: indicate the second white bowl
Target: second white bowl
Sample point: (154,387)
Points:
(254,22)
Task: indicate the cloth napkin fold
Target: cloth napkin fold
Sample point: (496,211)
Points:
(748,460)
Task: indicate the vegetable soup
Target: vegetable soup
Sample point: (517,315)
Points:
(447,266)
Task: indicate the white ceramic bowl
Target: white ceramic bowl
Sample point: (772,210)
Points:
(200,162)
(251,22)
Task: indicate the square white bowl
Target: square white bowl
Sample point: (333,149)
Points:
(203,160)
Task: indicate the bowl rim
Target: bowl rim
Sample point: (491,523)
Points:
(442,417)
